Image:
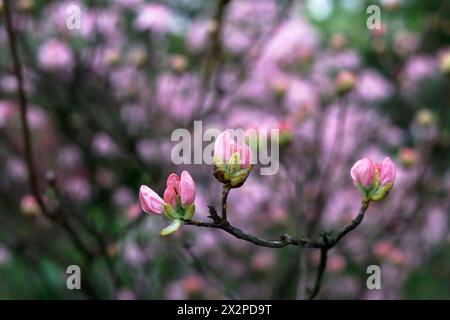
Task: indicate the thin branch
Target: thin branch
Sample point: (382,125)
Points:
(352,225)
(326,242)
(26,136)
(17,66)
(331,242)
(214,57)
(285,239)
(320,272)
(210,276)
(225,191)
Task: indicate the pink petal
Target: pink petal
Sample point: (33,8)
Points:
(151,202)
(187,189)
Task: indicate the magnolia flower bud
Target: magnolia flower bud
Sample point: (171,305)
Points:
(178,63)
(25,5)
(232,162)
(408,157)
(445,63)
(29,206)
(345,81)
(286,133)
(363,173)
(180,190)
(150,201)
(375,180)
(425,118)
(386,174)
(178,203)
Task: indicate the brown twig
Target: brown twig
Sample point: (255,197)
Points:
(320,272)
(61,217)
(17,67)
(225,191)
(327,241)
(285,239)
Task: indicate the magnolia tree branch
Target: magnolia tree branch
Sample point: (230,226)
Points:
(59,215)
(17,68)
(325,243)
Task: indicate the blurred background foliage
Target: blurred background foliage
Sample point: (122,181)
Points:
(104,100)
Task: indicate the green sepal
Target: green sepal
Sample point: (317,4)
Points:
(218,162)
(189,212)
(382,192)
(171,227)
(170,212)
(234,163)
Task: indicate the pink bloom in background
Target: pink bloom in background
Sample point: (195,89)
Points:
(154,17)
(103,145)
(150,201)
(8,83)
(373,87)
(6,110)
(197,35)
(77,189)
(225,147)
(363,173)
(4,255)
(55,55)
(178,95)
(183,187)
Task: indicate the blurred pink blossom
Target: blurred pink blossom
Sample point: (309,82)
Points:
(55,55)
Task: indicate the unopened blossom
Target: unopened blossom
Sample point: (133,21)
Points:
(363,173)
(232,162)
(29,206)
(178,203)
(408,157)
(180,189)
(151,202)
(445,62)
(345,81)
(375,180)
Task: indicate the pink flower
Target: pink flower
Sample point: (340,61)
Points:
(154,17)
(183,187)
(374,179)
(363,173)
(386,171)
(178,203)
(54,55)
(150,201)
(225,148)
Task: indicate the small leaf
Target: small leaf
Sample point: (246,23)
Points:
(171,228)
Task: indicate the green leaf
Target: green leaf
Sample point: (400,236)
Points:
(171,228)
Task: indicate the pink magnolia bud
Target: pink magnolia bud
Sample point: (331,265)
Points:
(246,155)
(187,189)
(172,189)
(225,148)
(386,171)
(150,201)
(363,173)
(232,162)
(375,180)
(183,187)
(222,147)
